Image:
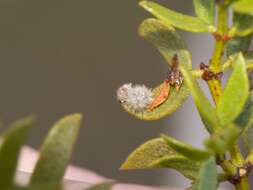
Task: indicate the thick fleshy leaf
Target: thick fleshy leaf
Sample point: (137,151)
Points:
(186,150)
(205,10)
(243,24)
(224,139)
(243,6)
(207,179)
(178,20)
(168,43)
(13,140)
(165,39)
(185,166)
(206,111)
(235,94)
(56,150)
(146,154)
(102,186)
(172,103)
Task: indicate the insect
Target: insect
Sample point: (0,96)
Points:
(135,97)
(208,74)
(174,78)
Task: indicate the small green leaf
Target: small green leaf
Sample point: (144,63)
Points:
(235,95)
(146,154)
(102,186)
(205,10)
(186,150)
(224,139)
(243,6)
(56,150)
(244,27)
(205,108)
(243,24)
(207,179)
(185,166)
(165,39)
(238,44)
(176,19)
(13,140)
(173,102)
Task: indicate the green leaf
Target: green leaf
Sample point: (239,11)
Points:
(243,6)
(102,186)
(245,120)
(235,94)
(56,150)
(168,43)
(243,24)
(207,179)
(172,103)
(165,39)
(205,108)
(186,150)
(40,187)
(224,139)
(176,19)
(13,140)
(205,10)
(238,44)
(249,57)
(185,166)
(146,154)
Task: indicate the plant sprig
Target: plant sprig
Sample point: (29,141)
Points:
(228,118)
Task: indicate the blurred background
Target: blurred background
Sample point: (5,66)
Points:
(63,56)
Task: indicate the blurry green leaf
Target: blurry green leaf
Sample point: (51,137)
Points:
(186,150)
(185,166)
(205,108)
(224,139)
(146,154)
(173,102)
(205,10)
(56,150)
(245,120)
(243,6)
(176,19)
(40,187)
(238,44)
(102,186)
(243,24)
(207,179)
(235,94)
(165,39)
(249,57)
(13,140)
(244,27)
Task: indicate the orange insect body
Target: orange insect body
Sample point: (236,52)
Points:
(161,97)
